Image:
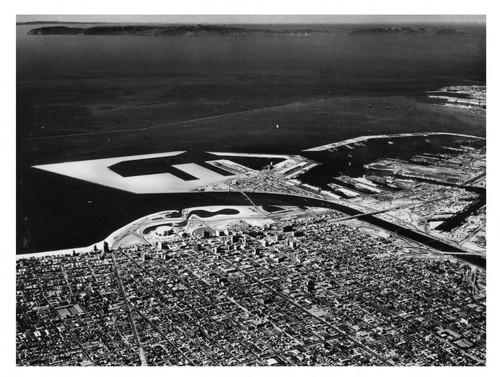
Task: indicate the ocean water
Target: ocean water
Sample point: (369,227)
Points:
(82,97)
(340,55)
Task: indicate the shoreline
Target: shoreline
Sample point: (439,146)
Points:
(386,136)
(121,232)
(118,233)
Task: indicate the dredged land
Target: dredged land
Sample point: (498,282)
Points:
(397,278)
(174,288)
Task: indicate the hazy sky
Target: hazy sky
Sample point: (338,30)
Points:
(234,19)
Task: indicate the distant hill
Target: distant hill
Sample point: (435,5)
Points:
(449,31)
(178,30)
(54,22)
(406,30)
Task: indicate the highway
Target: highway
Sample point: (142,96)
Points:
(142,355)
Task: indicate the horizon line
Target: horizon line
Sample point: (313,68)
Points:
(253,19)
